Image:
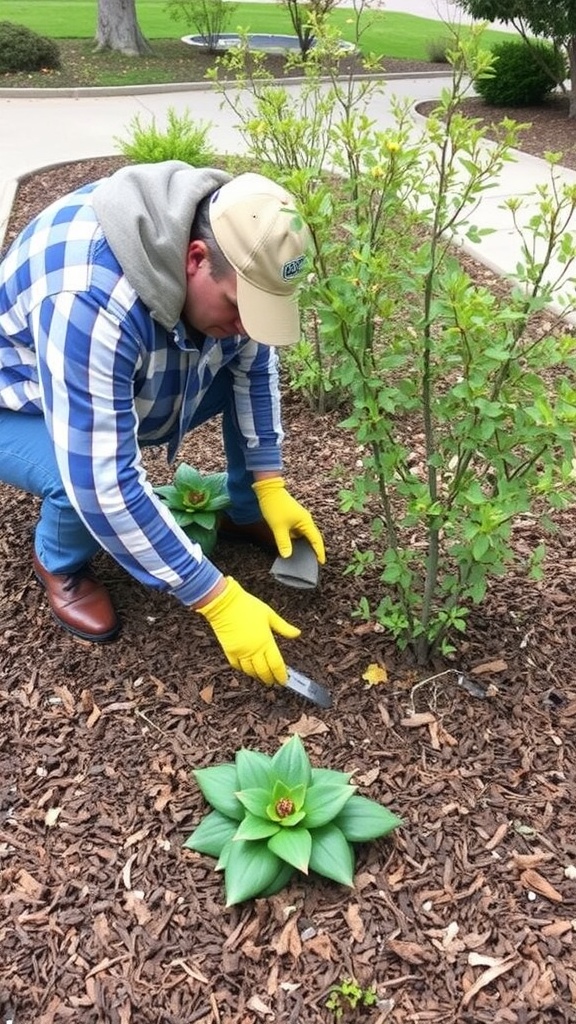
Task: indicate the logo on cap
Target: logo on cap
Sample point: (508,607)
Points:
(292,268)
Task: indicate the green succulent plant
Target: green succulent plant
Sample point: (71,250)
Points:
(276,815)
(195,499)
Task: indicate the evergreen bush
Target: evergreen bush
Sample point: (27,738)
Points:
(21,49)
(523,74)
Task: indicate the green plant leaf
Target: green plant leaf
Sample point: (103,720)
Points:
(254,800)
(324,801)
(256,828)
(223,858)
(251,868)
(169,493)
(363,819)
(282,878)
(329,775)
(217,483)
(290,763)
(187,478)
(332,855)
(292,845)
(253,770)
(207,520)
(219,784)
(211,834)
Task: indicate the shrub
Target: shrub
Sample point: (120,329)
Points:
(181,140)
(209,18)
(24,50)
(437,49)
(523,74)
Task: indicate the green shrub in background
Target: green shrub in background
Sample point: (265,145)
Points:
(182,139)
(21,49)
(206,18)
(437,49)
(523,74)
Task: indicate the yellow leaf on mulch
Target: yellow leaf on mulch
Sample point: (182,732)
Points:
(375,674)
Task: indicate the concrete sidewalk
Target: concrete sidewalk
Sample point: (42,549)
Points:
(44,130)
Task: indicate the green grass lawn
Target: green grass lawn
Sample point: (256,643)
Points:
(389,34)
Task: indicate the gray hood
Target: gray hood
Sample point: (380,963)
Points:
(146,212)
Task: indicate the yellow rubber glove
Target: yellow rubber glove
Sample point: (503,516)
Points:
(243,626)
(286,517)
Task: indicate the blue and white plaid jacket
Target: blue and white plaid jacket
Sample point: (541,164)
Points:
(78,346)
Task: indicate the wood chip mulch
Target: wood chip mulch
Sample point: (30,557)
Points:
(467,915)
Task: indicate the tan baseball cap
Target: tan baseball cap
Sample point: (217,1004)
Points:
(256,226)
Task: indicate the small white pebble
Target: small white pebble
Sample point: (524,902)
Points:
(570,872)
(531,896)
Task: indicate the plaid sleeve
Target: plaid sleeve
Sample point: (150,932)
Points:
(257,403)
(87,359)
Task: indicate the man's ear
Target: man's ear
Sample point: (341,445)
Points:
(195,255)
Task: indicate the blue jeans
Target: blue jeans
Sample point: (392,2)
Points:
(62,542)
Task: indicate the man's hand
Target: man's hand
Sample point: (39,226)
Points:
(243,626)
(286,517)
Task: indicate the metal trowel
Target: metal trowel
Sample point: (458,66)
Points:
(306,687)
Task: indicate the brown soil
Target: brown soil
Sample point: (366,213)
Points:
(467,914)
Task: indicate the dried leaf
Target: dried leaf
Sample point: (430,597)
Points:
(411,952)
(354,922)
(537,883)
(207,693)
(368,778)
(307,725)
(490,975)
(419,719)
(523,861)
(28,885)
(259,1007)
(557,928)
(497,837)
(489,666)
(321,945)
(67,698)
(289,939)
(375,674)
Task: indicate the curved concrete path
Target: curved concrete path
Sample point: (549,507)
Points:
(42,130)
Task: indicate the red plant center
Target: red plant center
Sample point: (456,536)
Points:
(284,808)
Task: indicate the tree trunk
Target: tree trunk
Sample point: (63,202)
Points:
(571,47)
(118,29)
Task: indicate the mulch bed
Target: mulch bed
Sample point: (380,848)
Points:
(467,914)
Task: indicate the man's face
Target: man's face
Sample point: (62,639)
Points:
(210,305)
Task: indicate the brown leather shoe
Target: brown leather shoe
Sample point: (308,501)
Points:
(79,603)
(258,533)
